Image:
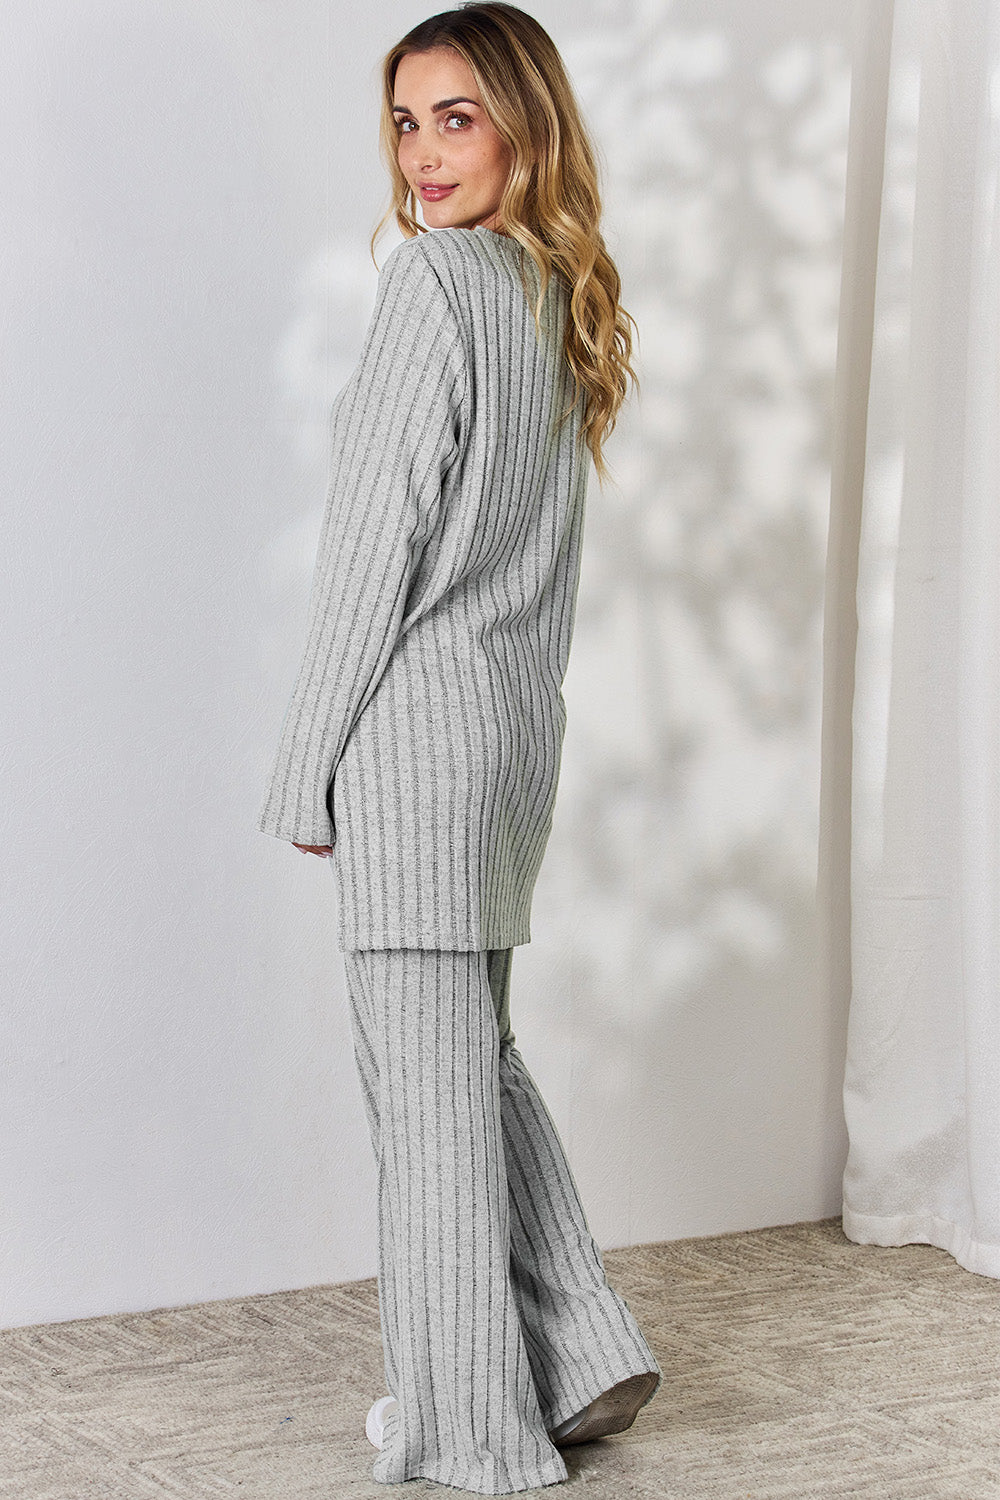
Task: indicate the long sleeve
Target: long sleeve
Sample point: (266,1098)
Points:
(396,429)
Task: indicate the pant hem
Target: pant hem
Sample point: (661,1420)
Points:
(552,1473)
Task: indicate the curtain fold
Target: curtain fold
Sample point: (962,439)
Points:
(910,806)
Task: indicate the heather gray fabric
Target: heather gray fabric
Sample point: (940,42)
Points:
(425,729)
(497,1319)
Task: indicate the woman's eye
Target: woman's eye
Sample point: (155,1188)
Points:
(407,127)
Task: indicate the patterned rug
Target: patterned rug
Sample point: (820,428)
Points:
(796,1365)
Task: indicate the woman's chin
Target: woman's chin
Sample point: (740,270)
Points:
(440,216)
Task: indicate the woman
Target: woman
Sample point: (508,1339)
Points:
(422,744)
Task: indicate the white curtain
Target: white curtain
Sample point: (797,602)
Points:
(910,822)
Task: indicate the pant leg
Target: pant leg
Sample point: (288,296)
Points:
(580,1334)
(427,1048)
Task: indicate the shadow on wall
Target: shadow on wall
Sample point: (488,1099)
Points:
(683,857)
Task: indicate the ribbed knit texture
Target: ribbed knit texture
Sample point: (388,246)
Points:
(425,728)
(498,1322)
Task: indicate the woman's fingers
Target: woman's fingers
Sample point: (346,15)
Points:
(324,850)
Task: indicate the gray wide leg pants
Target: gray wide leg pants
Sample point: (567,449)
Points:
(497,1319)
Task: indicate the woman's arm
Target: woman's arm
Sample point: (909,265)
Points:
(396,430)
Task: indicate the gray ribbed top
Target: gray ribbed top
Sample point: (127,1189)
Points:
(424,732)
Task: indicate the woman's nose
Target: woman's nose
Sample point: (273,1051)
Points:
(428,154)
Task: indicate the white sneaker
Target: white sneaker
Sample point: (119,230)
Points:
(375,1420)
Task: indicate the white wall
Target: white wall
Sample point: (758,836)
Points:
(186,285)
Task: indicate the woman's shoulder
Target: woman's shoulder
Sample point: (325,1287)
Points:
(460,260)
(441,246)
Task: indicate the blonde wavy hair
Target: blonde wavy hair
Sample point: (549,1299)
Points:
(551,204)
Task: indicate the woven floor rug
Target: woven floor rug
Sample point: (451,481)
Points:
(796,1365)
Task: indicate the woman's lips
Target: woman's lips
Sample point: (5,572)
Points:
(433,194)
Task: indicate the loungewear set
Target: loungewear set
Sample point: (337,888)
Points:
(423,742)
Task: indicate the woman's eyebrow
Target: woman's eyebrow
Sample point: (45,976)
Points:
(435,108)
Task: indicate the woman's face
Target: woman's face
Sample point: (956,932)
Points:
(449,150)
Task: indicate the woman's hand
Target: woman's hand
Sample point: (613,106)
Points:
(323,850)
